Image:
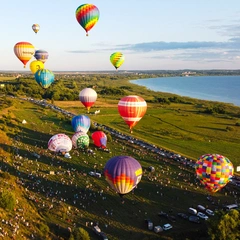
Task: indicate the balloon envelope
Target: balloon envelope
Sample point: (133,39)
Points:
(24,51)
(36,65)
(80,140)
(87,16)
(81,123)
(123,173)
(35,27)
(41,55)
(87,97)
(132,108)
(117,59)
(44,77)
(214,171)
(60,143)
(99,139)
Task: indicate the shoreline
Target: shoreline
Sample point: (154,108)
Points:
(184,94)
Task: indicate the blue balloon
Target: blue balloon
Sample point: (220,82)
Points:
(81,123)
(44,77)
(41,55)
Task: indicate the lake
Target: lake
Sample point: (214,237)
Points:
(216,88)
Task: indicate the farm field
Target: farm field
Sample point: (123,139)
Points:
(72,198)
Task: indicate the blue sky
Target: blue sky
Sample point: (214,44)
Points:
(152,34)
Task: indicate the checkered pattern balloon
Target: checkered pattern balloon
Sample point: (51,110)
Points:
(214,171)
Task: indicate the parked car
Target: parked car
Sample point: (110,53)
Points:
(167,226)
(183,215)
(194,219)
(201,208)
(158,229)
(209,212)
(97,230)
(162,214)
(202,215)
(149,224)
(103,236)
(192,211)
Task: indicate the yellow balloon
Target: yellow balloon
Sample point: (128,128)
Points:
(36,65)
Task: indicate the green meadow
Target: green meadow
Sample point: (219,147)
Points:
(181,128)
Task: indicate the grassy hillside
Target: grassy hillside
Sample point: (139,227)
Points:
(54,204)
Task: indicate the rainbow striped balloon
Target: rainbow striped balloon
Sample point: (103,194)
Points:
(117,59)
(87,16)
(214,171)
(132,108)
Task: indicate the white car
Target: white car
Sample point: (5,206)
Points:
(209,212)
(202,215)
(167,226)
(67,155)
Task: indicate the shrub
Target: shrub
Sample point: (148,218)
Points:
(6,175)
(44,229)
(80,234)
(7,200)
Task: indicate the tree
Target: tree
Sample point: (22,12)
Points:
(225,226)
(7,200)
(80,234)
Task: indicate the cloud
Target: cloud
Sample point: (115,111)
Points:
(227,29)
(198,55)
(233,44)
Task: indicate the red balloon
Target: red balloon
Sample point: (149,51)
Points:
(132,108)
(99,139)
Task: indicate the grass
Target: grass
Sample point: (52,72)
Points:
(172,187)
(182,128)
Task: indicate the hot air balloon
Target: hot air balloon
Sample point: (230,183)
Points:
(99,139)
(117,59)
(132,108)
(87,16)
(87,97)
(24,51)
(81,123)
(123,173)
(41,55)
(36,65)
(214,171)
(35,28)
(44,77)
(80,140)
(60,143)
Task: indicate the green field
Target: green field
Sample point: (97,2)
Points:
(179,127)
(84,199)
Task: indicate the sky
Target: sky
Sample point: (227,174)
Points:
(151,34)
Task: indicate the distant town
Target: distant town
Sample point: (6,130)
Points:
(153,73)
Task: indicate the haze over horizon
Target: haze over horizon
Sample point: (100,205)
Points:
(152,35)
